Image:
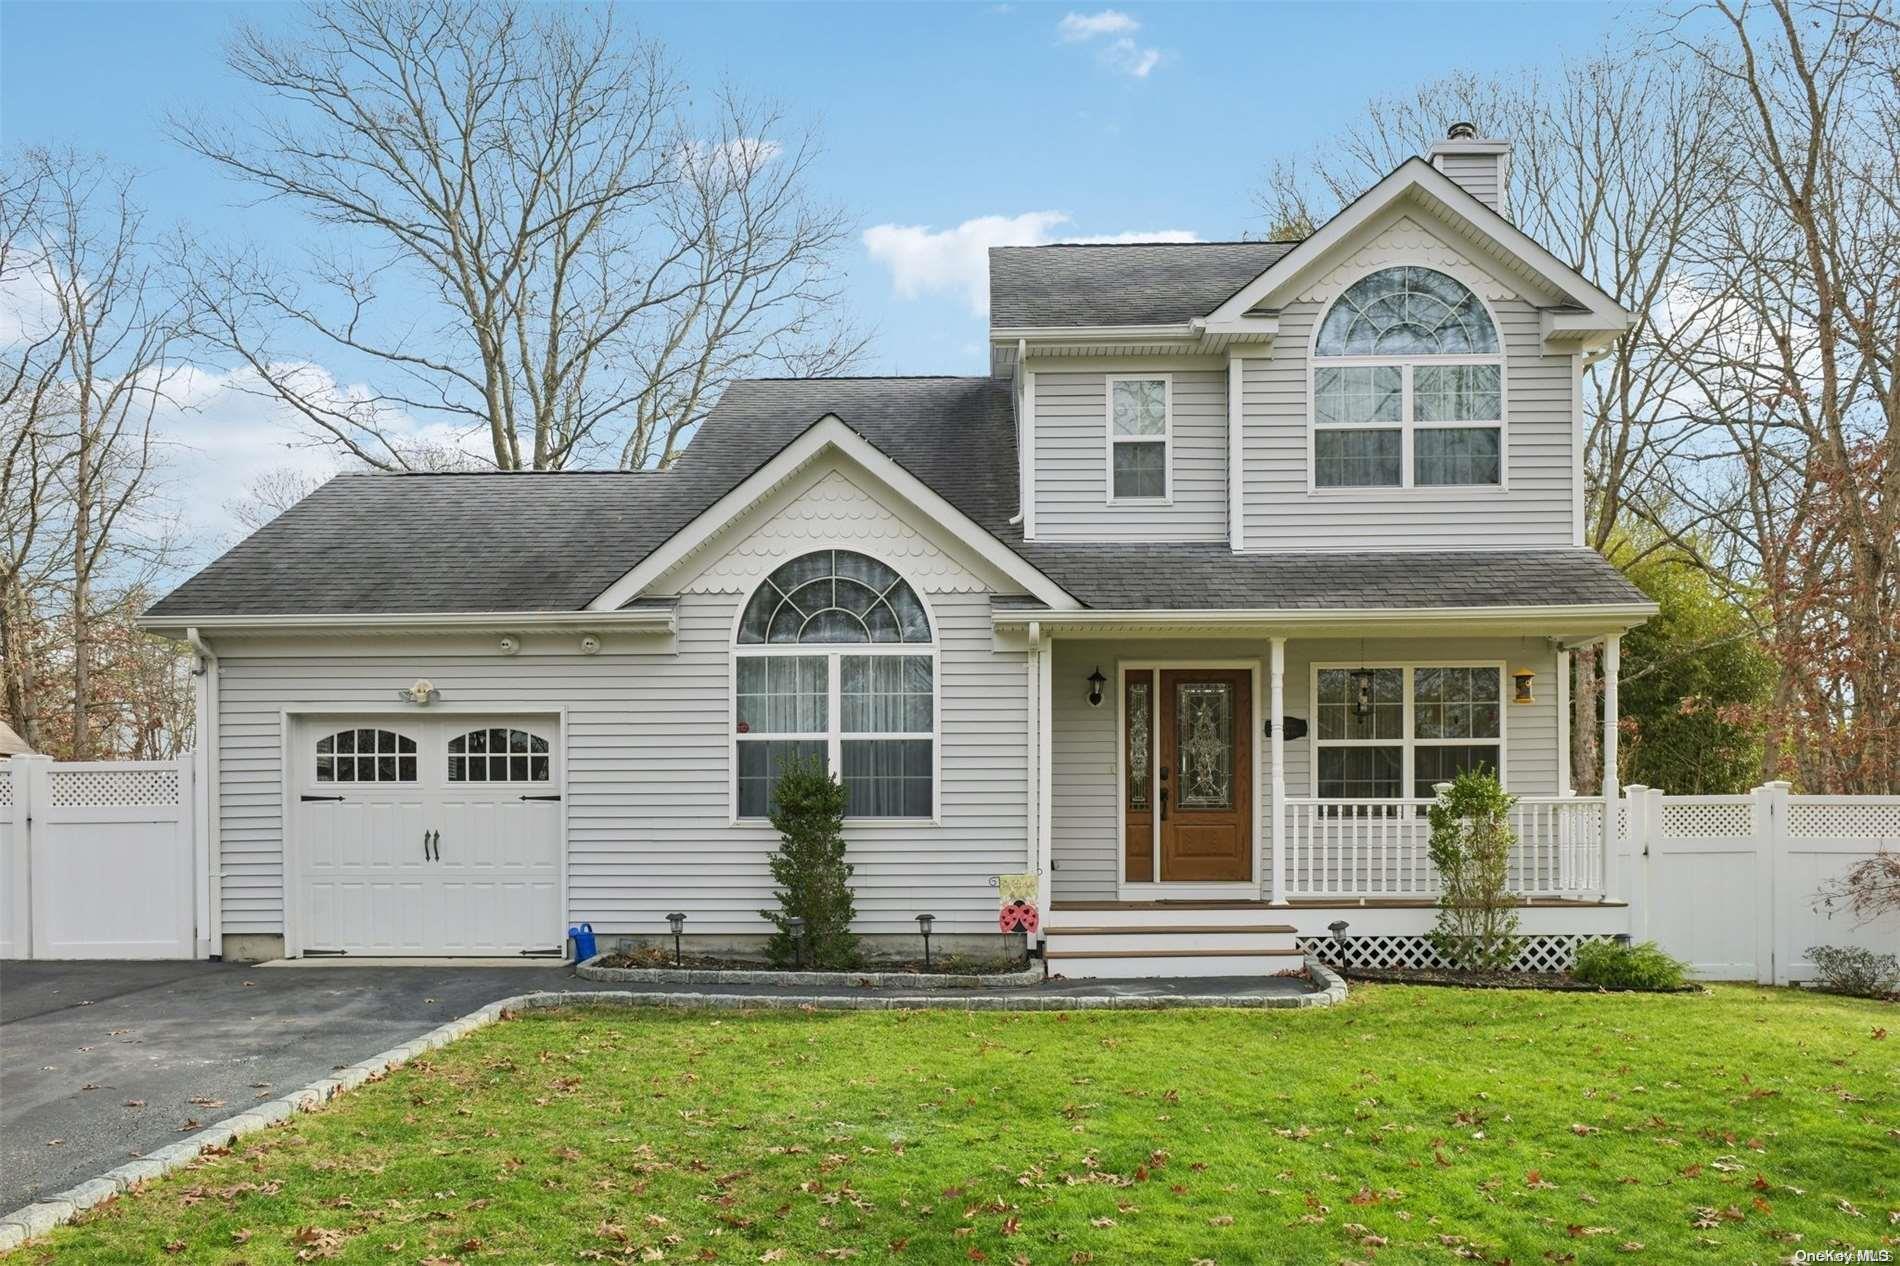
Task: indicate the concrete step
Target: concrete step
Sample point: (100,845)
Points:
(1169,914)
(1097,940)
(1153,962)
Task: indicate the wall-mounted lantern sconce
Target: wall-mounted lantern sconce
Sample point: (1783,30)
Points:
(1521,679)
(677,921)
(1096,682)
(1362,692)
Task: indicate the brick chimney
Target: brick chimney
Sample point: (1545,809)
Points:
(1482,166)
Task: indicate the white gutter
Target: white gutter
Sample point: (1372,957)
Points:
(1608,613)
(648,620)
(207,838)
(1025,440)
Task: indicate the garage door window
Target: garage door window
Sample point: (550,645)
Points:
(498,755)
(366,756)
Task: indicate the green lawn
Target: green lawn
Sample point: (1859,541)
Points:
(1409,1125)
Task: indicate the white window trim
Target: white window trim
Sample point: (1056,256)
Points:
(1166,439)
(1406,426)
(1127,890)
(1406,740)
(834,736)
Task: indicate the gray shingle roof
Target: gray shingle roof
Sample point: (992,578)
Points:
(1207,576)
(1147,284)
(552,542)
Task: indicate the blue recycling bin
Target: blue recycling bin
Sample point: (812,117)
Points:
(583,937)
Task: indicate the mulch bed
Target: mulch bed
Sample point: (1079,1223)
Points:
(939,965)
(1560,982)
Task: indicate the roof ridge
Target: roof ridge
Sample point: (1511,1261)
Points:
(867,378)
(1232,241)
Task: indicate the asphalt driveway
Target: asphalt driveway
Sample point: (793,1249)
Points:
(100,1062)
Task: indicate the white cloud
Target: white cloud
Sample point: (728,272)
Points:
(1127,57)
(1121,53)
(1077,27)
(924,261)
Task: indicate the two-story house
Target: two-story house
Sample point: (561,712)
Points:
(1183,608)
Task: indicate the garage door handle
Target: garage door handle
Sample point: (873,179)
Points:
(556,797)
(307,799)
(436,838)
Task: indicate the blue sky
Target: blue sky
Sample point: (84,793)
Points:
(1140,118)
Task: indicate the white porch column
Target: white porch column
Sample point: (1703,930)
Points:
(1276,714)
(1612,664)
(1045,745)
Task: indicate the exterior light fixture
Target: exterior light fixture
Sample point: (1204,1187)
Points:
(923,926)
(420,693)
(677,921)
(795,928)
(1362,692)
(1521,679)
(1338,928)
(1096,682)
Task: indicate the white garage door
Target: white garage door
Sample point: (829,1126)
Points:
(437,836)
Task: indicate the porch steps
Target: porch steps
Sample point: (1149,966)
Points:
(1130,940)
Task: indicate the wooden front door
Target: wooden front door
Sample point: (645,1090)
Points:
(1188,738)
(1205,784)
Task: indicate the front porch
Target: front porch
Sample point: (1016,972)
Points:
(1288,777)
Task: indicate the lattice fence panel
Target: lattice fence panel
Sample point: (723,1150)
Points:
(1833,820)
(1555,952)
(1702,820)
(112,788)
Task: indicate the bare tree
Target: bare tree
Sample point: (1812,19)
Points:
(119,327)
(520,234)
(1804,260)
(1612,171)
(271,493)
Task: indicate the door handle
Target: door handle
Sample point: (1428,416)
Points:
(425,846)
(1164,804)
(437,837)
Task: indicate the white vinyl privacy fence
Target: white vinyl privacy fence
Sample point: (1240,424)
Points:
(98,859)
(1730,883)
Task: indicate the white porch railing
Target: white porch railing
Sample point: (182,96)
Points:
(1382,848)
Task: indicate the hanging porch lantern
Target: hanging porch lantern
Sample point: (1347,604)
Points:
(1521,679)
(1362,692)
(1096,682)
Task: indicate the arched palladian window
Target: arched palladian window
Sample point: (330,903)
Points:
(868,712)
(1408,385)
(366,755)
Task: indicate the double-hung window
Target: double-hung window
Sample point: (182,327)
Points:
(1408,386)
(1140,438)
(835,663)
(1387,732)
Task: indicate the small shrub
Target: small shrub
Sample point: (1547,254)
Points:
(1854,971)
(1617,966)
(1471,846)
(813,878)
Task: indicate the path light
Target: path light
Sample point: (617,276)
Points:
(1096,682)
(1338,928)
(795,928)
(678,922)
(923,925)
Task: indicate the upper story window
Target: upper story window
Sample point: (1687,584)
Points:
(869,713)
(1408,386)
(1140,438)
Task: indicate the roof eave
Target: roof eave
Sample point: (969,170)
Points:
(1567,619)
(655,619)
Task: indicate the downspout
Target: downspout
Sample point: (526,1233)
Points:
(208,836)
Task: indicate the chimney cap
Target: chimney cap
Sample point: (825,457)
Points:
(1461,131)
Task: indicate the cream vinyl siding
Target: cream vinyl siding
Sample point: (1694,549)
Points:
(1086,836)
(1072,460)
(1478,173)
(1533,510)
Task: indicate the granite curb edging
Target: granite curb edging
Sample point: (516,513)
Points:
(591,970)
(43,1216)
